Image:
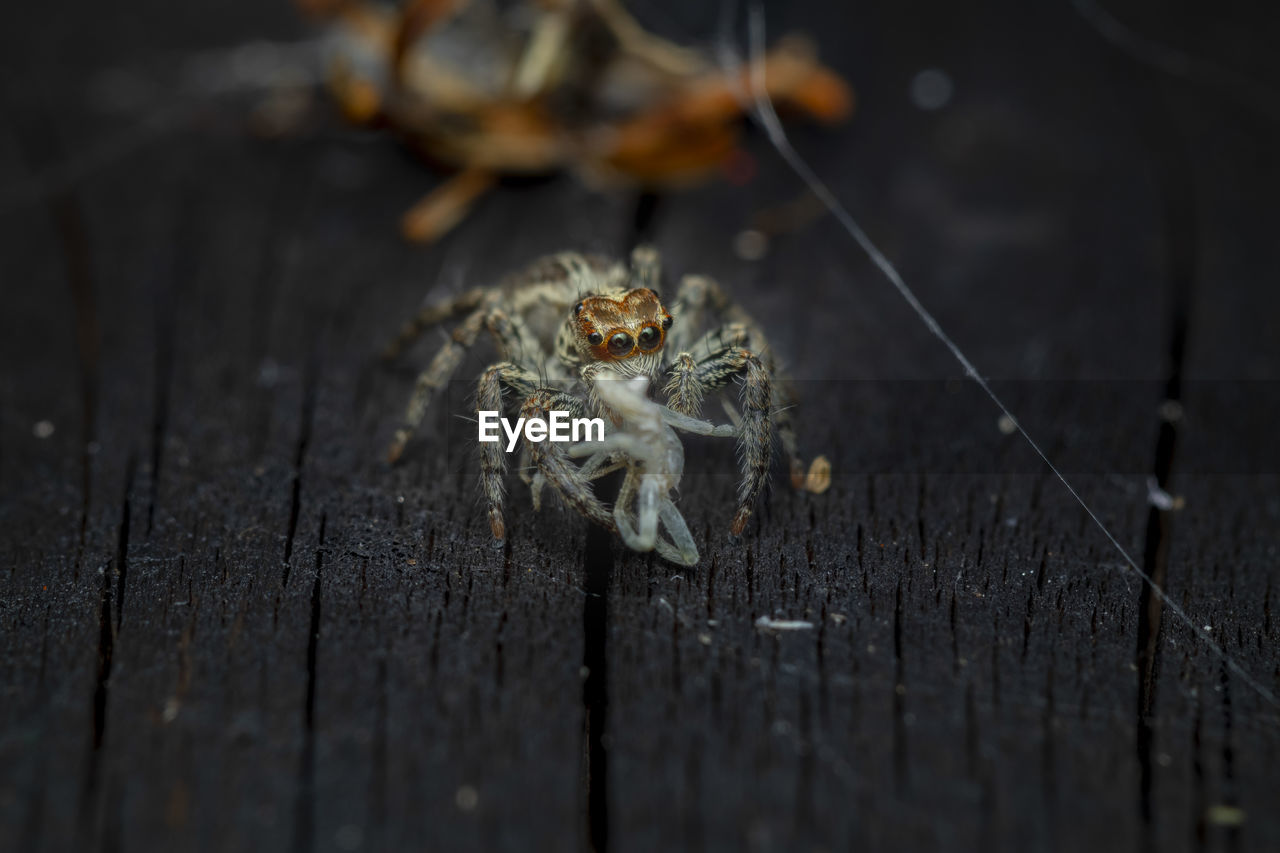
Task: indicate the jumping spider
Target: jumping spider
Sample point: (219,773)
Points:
(571,321)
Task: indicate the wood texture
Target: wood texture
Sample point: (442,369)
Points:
(228,625)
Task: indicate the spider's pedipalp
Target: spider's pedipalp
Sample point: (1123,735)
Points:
(684,391)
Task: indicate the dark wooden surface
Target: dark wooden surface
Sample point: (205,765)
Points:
(227,625)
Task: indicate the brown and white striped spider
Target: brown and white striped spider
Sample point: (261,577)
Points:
(570,322)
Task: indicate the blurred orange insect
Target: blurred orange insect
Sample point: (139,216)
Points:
(538,86)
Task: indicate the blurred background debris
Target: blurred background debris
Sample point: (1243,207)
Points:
(526,88)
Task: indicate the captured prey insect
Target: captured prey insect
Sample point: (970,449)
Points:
(566,328)
(651,452)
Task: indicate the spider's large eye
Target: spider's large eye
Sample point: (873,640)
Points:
(595,339)
(649,338)
(620,344)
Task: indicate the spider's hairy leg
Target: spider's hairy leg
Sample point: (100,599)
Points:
(755,434)
(743,332)
(755,440)
(553,461)
(687,385)
(685,389)
(512,336)
(431,315)
(437,373)
(785,426)
(646,267)
(575,273)
(493,461)
(697,297)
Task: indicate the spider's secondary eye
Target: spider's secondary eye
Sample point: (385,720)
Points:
(666,322)
(649,338)
(620,344)
(577,309)
(595,339)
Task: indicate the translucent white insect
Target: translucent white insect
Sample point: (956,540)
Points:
(650,450)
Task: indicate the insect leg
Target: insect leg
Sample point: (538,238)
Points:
(553,461)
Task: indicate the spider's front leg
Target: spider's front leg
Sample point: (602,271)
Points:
(493,461)
(686,387)
(692,379)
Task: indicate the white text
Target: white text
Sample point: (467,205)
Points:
(556,427)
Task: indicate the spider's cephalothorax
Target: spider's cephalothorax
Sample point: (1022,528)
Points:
(625,329)
(570,321)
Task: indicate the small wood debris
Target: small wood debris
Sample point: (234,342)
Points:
(776,626)
(818,480)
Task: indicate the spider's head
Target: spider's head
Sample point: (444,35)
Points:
(627,330)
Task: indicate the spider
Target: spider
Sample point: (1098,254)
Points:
(570,322)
